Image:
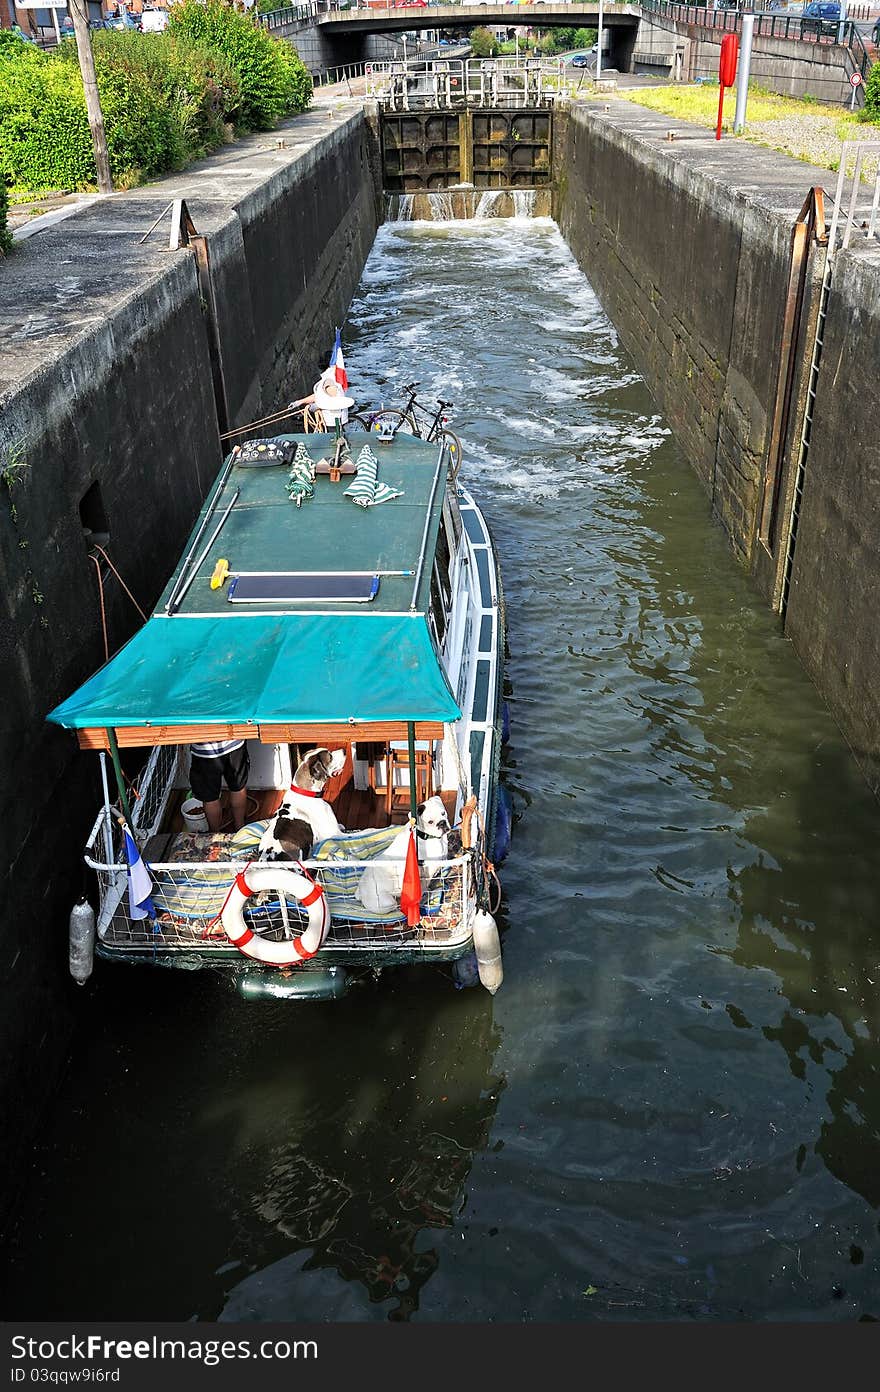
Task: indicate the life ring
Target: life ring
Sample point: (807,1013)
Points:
(299,885)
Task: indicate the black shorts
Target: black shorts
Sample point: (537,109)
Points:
(206,775)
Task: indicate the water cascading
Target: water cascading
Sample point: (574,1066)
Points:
(441,206)
(523,203)
(488,204)
(400,207)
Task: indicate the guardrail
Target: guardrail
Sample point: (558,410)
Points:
(290,14)
(452,82)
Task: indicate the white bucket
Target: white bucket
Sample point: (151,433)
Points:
(193,814)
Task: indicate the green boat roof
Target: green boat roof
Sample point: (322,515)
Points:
(215,662)
(265,531)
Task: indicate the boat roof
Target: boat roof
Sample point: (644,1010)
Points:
(266,532)
(204,660)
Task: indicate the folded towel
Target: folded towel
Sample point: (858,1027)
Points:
(365,489)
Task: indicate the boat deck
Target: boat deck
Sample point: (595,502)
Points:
(189,899)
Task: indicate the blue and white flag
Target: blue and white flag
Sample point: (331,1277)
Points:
(140,886)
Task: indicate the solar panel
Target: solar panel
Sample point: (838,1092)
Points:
(289,587)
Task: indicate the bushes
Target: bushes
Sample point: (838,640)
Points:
(5,234)
(44,131)
(272,79)
(871,109)
(167,98)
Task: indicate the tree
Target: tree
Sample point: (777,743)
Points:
(79,15)
(482,43)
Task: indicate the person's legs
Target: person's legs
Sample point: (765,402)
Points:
(205,781)
(236,767)
(238,804)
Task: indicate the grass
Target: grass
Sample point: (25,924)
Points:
(699,104)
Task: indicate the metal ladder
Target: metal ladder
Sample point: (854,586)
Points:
(843,225)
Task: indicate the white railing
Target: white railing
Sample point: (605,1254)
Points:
(856,213)
(449,82)
(190,894)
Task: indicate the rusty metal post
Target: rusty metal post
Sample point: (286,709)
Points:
(810,227)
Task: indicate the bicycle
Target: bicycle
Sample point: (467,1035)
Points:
(415,419)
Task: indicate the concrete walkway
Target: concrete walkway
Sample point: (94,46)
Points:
(88,253)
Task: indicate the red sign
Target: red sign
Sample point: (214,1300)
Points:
(726,73)
(729,55)
(855,79)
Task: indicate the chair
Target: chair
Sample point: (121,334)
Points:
(397,757)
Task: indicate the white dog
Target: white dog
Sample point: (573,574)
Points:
(380,885)
(304,803)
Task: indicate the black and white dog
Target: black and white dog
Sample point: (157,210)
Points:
(379,887)
(303,817)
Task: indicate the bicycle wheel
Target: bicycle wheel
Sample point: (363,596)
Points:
(453,448)
(357,424)
(400,422)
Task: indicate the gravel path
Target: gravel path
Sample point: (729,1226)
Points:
(814,138)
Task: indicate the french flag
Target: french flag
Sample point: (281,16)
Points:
(338,364)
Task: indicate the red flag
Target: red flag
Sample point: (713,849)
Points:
(411,894)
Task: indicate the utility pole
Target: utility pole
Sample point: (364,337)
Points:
(600,38)
(79,15)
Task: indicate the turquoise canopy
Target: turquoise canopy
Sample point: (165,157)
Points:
(290,668)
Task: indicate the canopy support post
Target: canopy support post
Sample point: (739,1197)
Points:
(108,824)
(411,747)
(120,781)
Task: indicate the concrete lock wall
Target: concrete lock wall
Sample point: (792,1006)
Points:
(107,394)
(832,609)
(694,278)
(687,243)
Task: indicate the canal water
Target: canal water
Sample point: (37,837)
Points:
(670,1111)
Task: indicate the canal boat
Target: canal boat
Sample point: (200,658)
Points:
(337,594)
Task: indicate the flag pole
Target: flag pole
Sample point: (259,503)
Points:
(411,749)
(120,781)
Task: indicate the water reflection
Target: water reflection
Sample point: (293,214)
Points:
(366,1157)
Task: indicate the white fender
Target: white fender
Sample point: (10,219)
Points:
(487,946)
(297,883)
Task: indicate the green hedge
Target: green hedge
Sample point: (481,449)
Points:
(871,109)
(273,80)
(167,98)
(5,234)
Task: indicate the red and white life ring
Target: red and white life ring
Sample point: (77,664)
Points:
(299,885)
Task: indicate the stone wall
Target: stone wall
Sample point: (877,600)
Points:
(107,396)
(833,602)
(687,243)
(693,271)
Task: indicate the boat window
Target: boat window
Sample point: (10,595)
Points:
(453,522)
(438,610)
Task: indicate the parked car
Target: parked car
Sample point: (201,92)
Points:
(122,21)
(154,21)
(820,17)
